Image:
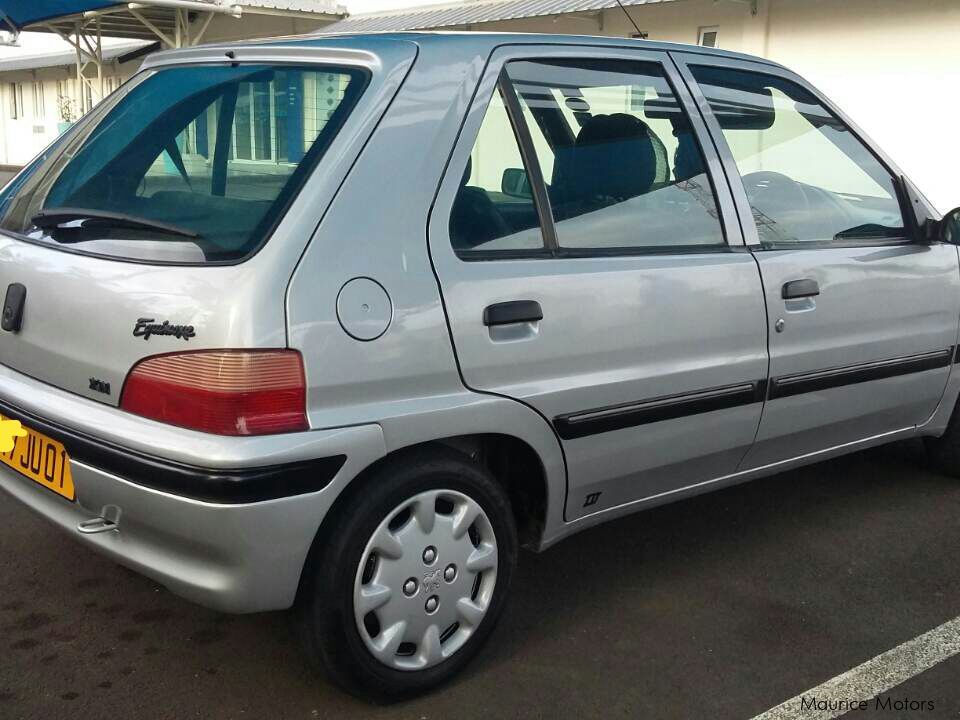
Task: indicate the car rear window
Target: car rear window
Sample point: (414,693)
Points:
(192,164)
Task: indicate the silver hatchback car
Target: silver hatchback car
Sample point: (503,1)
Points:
(339,322)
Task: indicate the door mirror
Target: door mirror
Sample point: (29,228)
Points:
(948,229)
(917,219)
(515,183)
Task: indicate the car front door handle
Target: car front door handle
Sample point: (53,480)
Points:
(796,289)
(515,311)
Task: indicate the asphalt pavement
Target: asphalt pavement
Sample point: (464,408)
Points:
(717,607)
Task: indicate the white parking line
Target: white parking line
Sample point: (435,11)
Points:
(874,677)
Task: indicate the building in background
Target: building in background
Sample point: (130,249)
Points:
(891,65)
(41,93)
(38,95)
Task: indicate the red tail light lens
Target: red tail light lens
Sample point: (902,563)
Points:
(232,392)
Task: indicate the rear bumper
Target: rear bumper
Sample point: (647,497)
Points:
(233,537)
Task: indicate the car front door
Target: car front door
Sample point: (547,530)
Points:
(592,268)
(862,317)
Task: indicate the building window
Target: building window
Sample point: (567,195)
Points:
(16,100)
(39,109)
(261,128)
(707,36)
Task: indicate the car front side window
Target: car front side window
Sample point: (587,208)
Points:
(807,177)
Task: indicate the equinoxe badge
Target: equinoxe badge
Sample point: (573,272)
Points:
(146,327)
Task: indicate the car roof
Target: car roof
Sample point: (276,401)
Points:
(467,39)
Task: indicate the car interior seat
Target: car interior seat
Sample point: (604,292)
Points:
(615,157)
(474,218)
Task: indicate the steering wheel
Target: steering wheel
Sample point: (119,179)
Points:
(775,194)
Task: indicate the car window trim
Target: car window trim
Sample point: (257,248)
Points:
(541,200)
(611,252)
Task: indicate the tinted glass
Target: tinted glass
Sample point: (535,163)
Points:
(215,152)
(623,168)
(494,207)
(807,177)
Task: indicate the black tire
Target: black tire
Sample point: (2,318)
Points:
(325,617)
(943,453)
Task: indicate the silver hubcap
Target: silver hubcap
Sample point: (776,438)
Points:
(425,579)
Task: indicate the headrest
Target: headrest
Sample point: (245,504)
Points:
(614,157)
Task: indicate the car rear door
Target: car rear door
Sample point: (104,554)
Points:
(592,267)
(862,318)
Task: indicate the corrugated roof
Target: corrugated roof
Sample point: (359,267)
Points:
(18,14)
(322,7)
(65,57)
(427,17)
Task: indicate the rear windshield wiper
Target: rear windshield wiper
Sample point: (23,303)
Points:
(869,231)
(54,217)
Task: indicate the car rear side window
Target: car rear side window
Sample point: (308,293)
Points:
(808,178)
(621,167)
(191,164)
(494,209)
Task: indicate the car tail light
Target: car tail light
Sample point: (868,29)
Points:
(229,392)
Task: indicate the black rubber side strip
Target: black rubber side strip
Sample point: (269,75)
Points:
(247,485)
(801,383)
(618,417)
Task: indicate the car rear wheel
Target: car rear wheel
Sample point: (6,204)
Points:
(411,575)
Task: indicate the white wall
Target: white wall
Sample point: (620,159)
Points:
(894,67)
(24,137)
(33,130)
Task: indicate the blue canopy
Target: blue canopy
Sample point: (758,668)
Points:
(16,14)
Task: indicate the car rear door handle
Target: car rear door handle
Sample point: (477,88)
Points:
(515,311)
(796,289)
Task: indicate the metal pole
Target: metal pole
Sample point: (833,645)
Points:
(79,89)
(99,60)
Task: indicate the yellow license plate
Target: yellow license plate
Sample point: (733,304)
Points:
(43,460)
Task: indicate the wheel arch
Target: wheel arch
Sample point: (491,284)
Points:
(514,443)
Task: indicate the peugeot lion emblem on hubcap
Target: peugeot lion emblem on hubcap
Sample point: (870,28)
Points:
(431,581)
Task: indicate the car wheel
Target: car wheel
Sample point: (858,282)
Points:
(410,576)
